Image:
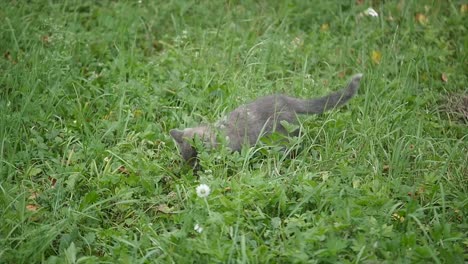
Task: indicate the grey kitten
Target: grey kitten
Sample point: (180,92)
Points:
(247,123)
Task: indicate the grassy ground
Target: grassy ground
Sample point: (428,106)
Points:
(89,91)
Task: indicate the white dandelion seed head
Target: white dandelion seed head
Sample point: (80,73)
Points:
(203,190)
(198,228)
(371,12)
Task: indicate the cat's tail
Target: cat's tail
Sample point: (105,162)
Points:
(322,104)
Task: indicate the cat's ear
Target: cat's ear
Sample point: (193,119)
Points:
(177,134)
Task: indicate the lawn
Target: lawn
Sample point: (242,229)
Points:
(90,89)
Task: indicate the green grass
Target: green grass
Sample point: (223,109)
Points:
(89,173)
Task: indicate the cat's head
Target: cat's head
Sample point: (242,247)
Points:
(184,139)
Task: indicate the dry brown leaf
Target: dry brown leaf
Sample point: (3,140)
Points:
(324,27)
(32,207)
(45,39)
(444,77)
(53,181)
(123,170)
(464,8)
(164,208)
(157,45)
(421,18)
(33,195)
(359,2)
(376,56)
(7,55)
(385,168)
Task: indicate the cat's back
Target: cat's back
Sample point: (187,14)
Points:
(266,103)
(259,109)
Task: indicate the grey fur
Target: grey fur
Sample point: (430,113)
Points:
(247,123)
